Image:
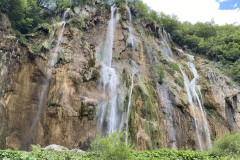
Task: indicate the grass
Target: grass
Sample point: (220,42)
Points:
(179,81)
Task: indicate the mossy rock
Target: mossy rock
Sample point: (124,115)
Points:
(154,134)
(179,81)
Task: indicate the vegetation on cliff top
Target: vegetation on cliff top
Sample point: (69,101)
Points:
(114,147)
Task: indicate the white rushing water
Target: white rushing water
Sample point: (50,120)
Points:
(194,96)
(131,38)
(44,90)
(166,49)
(109,109)
(190,101)
(190,88)
(193,86)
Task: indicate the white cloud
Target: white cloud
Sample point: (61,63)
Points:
(223,0)
(196,10)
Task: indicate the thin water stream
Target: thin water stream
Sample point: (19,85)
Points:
(29,138)
(131,40)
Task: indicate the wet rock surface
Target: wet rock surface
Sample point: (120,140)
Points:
(160,115)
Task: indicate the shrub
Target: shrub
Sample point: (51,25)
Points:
(77,22)
(174,66)
(112,147)
(179,81)
(228,145)
(159,70)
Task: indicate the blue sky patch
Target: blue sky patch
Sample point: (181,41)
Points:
(229,4)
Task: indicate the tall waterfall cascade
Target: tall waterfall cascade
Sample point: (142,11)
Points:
(44,90)
(195,97)
(108,114)
(191,87)
(131,40)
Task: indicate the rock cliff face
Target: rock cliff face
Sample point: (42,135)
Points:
(160,114)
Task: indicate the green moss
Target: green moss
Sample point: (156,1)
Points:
(95,74)
(213,135)
(164,61)
(132,127)
(179,81)
(154,134)
(48,43)
(91,63)
(86,111)
(210,111)
(170,71)
(184,56)
(63,56)
(174,66)
(146,111)
(53,103)
(2,63)
(159,70)
(83,111)
(161,75)
(139,28)
(36,48)
(229,83)
(125,78)
(83,39)
(190,73)
(143,35)
(158,53)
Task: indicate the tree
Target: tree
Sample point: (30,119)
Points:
(23,14)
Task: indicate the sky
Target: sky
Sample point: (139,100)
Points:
(222,11)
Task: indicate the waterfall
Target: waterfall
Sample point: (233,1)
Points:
(134,71)
(131,38)
(109,108)
(193,95)
(167,52)
(44,90)
(190,101)
(53,59)
(165,49)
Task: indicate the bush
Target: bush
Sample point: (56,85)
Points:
(112,147)
(77,22)
(179,81)
(160,74)
(228,145)
(38,153)
(173,155)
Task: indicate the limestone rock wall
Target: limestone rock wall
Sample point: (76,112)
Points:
(160,114)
